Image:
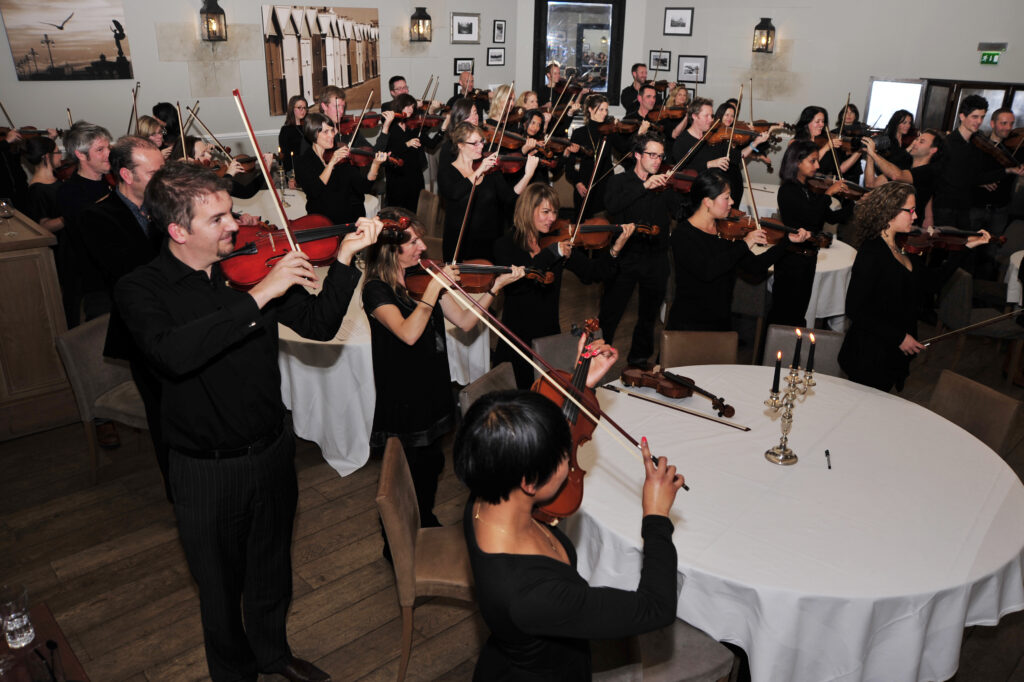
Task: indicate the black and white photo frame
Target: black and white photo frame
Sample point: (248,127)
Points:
(678,21)
(464,64)
(692,68)
(465,28)
(495,56)
(660,60)
(498,33)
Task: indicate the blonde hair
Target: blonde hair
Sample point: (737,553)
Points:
(147,126)
(498,98)
(521,100)
(532,197)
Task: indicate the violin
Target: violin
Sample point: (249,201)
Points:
(622,127)
(819,184)
(418,119)
(360,157)
(1014,139)
(508,139)
(848,143)
(475,276)
(666,113)
(28,132)
(660,86)
(738,225)
(263,245)
(680,180)
(996,151)
(596,234)
(581,429)
(947,238)
(512,163)
(564,87)
(673,385)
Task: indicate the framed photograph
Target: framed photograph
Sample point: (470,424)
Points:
(495,56)
(465,28)
(692,69)
(660,60)
(678,21)
(499,31)
(464,64)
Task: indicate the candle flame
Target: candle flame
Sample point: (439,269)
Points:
(812,337)
(798,333)
(778,356)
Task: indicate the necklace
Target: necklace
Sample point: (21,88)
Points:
(547,536)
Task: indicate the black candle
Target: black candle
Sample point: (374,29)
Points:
(778,368)
(810,356)
(796,353)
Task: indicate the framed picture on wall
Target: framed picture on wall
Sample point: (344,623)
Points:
(678,21)
(499,31)
(660,60)
(495,56)
(464,64)
(692,69)
(465,28)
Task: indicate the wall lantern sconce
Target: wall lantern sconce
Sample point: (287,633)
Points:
(764,36)
(211,19)
(419,26)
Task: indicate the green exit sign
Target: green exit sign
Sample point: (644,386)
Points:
(989,57)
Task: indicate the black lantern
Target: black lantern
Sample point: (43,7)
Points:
(211,19)
(764,36)
(419,26)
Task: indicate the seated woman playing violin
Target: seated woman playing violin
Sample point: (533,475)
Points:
(885,287)
(706,265)
(334,186)
(512,451)
(41,156)
(410,360)
(531,307)
(154,131)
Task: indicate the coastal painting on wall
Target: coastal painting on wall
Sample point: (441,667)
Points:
(64,40)
(308,48)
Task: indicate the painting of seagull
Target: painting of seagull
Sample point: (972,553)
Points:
(61,26)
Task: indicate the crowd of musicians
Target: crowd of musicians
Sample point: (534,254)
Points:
(144,222)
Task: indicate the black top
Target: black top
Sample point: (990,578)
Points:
(924,178)
(413,382)
(493,201)
(74,196)
(13,181)
(42,201)
(76,193)
(698,161)
(341,199)
(800,207)
(580,169)
(215,352)
(962,169)
(292,144)
(628,201)
(706,268)
(541,613)
(1003,193)
(407,179)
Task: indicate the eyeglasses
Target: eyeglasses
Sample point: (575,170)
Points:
(911,211)
(653,155)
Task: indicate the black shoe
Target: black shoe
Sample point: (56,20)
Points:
(298,670)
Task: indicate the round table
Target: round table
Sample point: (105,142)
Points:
(1012,279)
(869,570)
(328,385)
(831,280)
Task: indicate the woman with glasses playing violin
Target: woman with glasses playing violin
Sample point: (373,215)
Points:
(531,307)
(407,338)
(290,140)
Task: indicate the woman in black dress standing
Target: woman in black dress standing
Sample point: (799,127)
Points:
(706,265)
(531,307)
(333,187)
(405,182)
(885,285)
(290,140)
(588,137)
(799,207)
(410,358)
(512,452)
(492,201)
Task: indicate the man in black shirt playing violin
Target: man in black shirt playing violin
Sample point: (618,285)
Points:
(926,154)
(214,350)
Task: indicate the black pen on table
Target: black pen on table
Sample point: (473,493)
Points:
(828,459)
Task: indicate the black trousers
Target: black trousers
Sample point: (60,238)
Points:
(646,268)
(235,518)
(149,390)
(791,291)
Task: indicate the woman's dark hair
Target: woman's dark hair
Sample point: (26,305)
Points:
(892,127)
(507,437)
(289,118)
(168,113)
(35,150)
(724,107)
(842,113)
(806,116)
(402,101)
(311,126)
(709,184)
(797,151)
(529,115)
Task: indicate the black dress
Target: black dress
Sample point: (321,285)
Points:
(531,308)
(292,144)
(42,201)
(706,276)
(413,382)
(492,204)
(541,613)
(405,181)
(341,199)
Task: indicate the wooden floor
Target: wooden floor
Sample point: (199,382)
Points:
(107,559)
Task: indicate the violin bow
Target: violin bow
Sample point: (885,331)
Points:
(181,131)
(71,123)
(561,116)
(561,94)
(835,159)
(465,219)
(583,206)
(188,121)
(355,131)
(426,91)
(503,119)
(735,118)
(426,109)
(842,124)
(753,201)
(752,119)
(278,205)
(222,148)
(971,327)
(134,116)
(680,408)
(7,116)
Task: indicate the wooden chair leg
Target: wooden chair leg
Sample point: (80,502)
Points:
(94,455)
(403,665)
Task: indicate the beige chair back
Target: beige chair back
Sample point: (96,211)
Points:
(427,209)
(501,378)
(559,350)
(681,349)
(90,373)
(984,412)
(826,353)
(396,500)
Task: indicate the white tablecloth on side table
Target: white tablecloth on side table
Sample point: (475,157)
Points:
(328,386)
(867,571)
(831,280)
(1013,286)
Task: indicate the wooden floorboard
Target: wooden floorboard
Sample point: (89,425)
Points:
(108,561)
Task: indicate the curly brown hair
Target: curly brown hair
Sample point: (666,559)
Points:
(874,212)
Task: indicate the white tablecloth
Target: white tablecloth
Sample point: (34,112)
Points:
(328,386)
(1013,287)
(867,571)
(766,196)
(831,280)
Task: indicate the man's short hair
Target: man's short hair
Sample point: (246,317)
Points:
(973,103)
(393,80)
(645,86)
(174,190)
(633,69)
(640,142)
(552,65)
(1000,111)
(122,153)
(80,137)
(697,104)
(331,92)
(938,142)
